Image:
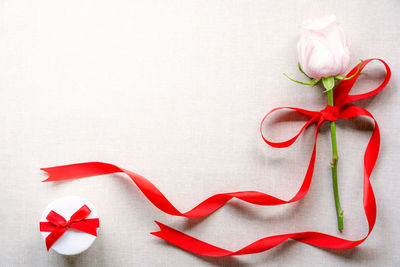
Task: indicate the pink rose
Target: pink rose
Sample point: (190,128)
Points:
(323,50)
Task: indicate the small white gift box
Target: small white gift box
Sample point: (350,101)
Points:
(69,225)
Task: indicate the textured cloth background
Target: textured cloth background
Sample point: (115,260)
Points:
(175,91)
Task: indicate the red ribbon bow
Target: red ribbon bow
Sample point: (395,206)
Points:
(339,110)
(58,225)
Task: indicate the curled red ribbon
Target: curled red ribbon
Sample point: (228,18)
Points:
(58,225)
(341,110)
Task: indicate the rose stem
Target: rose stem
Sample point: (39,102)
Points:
(334,161)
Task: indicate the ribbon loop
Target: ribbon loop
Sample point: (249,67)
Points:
(314,117)
(341,93)
(81,214)
(55,218)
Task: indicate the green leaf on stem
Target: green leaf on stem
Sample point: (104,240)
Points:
(312,82)
(301,70)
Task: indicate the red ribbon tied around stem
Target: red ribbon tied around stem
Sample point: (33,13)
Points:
(340,110)
(58,225)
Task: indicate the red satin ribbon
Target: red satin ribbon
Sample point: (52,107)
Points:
(339,110)
(58,225)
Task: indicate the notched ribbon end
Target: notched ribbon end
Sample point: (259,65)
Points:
(161,226)
(159,232)
(49,178)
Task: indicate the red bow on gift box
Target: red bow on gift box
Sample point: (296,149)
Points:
(58,225)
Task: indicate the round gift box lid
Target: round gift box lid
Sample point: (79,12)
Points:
(72,242)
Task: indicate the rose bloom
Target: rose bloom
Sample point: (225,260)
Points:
(323,50)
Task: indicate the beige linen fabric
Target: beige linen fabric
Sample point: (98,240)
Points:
(175,91)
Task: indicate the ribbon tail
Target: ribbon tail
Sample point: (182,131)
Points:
(54,236)
(189,243)
(47,227)
(88,226)
(80,170)
(370,157)
(199,247)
